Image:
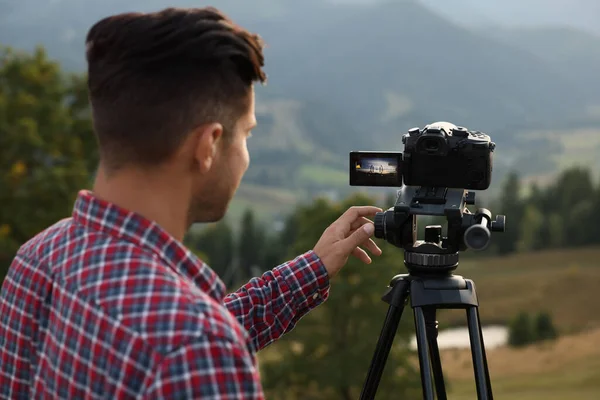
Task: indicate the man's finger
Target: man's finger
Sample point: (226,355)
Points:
(357,238)
(361,255)
(370,244)
(373,248)
(360,222)
(354,213)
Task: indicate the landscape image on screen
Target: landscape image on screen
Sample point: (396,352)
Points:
(376,171)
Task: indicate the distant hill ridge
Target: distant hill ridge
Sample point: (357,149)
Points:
(348,77)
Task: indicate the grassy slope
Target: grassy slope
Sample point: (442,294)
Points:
(563,282)
(323,175)
(264,201)
(579,148)
(566,369)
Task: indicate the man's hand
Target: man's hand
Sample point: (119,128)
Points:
(344,236)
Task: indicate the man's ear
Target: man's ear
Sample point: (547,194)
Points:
(208,138)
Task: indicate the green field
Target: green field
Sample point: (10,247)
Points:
(266,202)
(566,369)
(323,175)
(562,282)
(578,148)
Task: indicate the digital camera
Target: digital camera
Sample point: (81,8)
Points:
(439,155)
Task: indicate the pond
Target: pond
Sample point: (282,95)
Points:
(458,338)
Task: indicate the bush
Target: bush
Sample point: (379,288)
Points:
(520,330)
(525,329)
(544,328)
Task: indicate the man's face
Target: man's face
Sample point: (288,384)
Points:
(214,190)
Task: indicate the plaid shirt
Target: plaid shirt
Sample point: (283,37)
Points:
(106,304)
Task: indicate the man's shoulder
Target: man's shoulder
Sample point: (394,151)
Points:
(41,243)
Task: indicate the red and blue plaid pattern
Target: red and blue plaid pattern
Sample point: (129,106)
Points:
(106,304)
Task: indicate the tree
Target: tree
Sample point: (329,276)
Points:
(250,244)
(511,205)
(216,243)
(520,330)
(530,229)
(556,235)
(544,327)
(577,224)
(47,149)
(594,222)
(273,252)
(572,196)
(328,354)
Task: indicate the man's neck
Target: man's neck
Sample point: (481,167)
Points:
(152,196)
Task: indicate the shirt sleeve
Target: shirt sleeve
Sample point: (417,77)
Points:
(271,305)
(209,369)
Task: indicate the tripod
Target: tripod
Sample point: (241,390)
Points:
(430,283)
(427,295)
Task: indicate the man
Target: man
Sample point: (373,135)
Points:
(109,303)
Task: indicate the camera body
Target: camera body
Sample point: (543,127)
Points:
(444,155)
(439,155)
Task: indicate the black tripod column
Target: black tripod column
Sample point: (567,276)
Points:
(480,367)
(431,326)
(423,351)
(396,297)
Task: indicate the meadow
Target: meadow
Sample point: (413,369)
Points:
(563,282)
(568,368)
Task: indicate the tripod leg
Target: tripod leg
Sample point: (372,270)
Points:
(478,353)
(397,297)
(434,351)
(423,350)
(485,364)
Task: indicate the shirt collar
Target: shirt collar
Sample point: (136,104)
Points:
(100,215)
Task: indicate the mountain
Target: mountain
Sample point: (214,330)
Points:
(356,74)
(386,66)
(398,65)
(568,51)
(578,14)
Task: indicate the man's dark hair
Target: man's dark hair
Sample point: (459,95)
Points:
(154,77)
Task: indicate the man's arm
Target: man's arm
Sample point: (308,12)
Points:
(209,368)
(271,305)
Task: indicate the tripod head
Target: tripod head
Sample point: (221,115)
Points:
(436,255)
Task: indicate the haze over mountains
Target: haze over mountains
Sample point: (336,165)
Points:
(580,14)
(356,74)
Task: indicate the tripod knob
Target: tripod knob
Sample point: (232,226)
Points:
(433,234)
(499,224)
(478,236)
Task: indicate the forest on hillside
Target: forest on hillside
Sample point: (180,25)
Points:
(47,153)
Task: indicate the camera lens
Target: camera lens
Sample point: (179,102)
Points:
(379,222)
(431,145)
